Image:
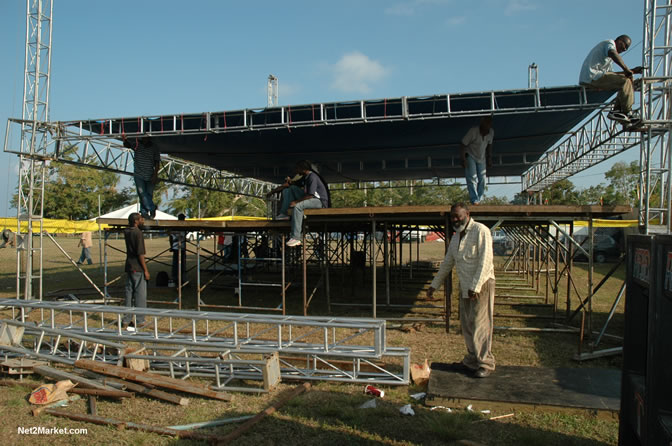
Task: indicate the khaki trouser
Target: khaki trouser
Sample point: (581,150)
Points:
(476,319)
(617,81)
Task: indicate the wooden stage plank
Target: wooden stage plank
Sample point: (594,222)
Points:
(394,214)
(512,388)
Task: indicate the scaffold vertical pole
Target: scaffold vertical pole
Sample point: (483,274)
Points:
(655,198)
(34,139)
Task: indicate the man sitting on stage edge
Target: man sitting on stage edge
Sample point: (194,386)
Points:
(596,72)
(137,274)
(316,196)
(290,190)
(470,251)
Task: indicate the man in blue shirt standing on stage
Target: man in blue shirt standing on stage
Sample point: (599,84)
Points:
(145,173)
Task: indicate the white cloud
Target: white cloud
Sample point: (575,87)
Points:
(455,21)
(286,89)
(409,8)
(401,9)
(355,72)
(516,6)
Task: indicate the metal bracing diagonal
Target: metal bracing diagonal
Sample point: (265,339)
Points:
(597,140)
(110,155)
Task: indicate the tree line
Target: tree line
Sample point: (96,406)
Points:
(72,192)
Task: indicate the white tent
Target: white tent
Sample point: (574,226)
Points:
(125,212)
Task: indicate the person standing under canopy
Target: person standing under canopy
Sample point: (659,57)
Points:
(476,154)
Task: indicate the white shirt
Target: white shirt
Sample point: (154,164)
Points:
(476,143)
(472,259)
(597,62)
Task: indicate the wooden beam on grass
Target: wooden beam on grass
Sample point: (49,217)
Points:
(61,374)
(128,425)
(151,378)
(268,411)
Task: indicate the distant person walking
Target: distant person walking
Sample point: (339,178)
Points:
(145,172)
(86,243)
(596,71)
(476,153)
(470,251)
(315,196)
(11,239)
(137,274)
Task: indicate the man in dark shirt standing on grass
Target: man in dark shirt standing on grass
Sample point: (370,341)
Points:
(137,274)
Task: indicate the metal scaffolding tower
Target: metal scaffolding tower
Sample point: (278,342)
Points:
(599,138)
(33,146)
(655,199)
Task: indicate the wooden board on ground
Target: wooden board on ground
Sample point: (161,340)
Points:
(511,388)
(19,366)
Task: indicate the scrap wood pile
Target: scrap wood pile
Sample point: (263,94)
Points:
(98,380)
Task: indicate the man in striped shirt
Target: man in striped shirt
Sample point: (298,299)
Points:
(145,172)
(470,251)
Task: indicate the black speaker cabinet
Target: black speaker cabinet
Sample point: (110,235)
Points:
(634,419)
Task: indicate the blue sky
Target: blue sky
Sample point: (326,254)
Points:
(126,58)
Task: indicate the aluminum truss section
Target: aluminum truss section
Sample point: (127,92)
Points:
(205,360)
(330,336)
(33,146)
(336,113)
(64,145)
(597,140)
(656,188)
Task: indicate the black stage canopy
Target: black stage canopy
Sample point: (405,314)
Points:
(368,140)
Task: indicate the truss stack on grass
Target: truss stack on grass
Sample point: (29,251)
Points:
(223,346)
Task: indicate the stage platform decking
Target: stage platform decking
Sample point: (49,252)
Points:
(513,388)
(335,218)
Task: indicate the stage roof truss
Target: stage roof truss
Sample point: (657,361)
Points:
(110,155)
(597,140)
(403,108)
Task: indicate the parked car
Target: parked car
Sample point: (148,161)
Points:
(501,244)
(605,248)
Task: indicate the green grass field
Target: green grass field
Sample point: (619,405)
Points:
(328,414)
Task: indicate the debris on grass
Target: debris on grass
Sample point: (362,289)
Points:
(375,391)
(419,396)
(407,410)
(49,393)
(420,373)
(447,409)
(371,404)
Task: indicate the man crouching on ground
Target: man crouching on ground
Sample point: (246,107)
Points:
(470,251)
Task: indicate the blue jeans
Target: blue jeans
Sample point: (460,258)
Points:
(292,193)
(86,255)
(475,176)
(146,195)
(136,294)
(297,215)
